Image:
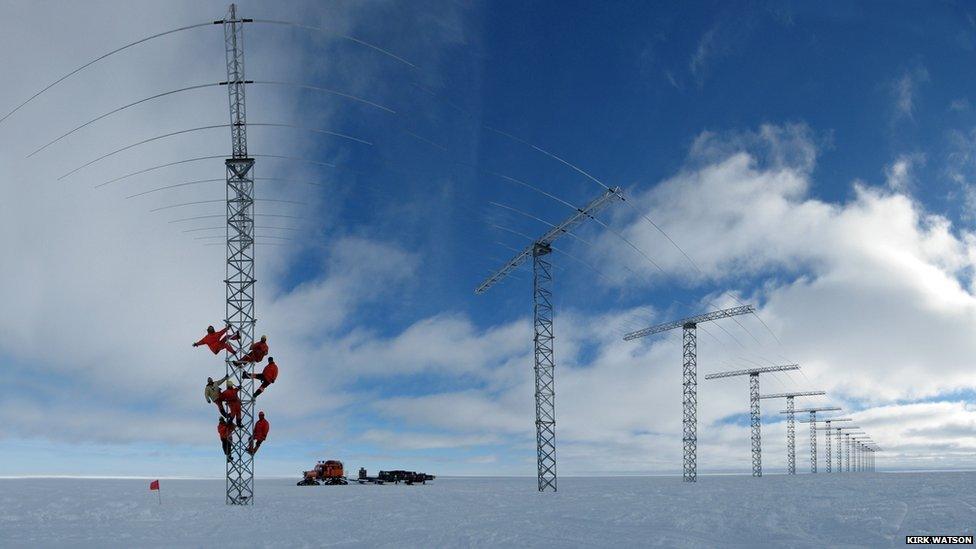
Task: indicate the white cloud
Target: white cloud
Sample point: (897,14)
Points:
(905,91)
(898,174)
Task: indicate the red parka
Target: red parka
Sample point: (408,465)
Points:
(259,350)
(224,430)
(213,341)
(261,429)
(233,401)
(270,372)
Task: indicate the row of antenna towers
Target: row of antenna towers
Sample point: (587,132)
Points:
(859,449)
(858,446)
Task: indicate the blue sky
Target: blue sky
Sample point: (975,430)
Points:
(817,161)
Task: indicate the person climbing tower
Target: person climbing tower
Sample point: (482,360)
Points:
(261,429)
(217,342)
(229,397)
(225,428)
(211,391)
(267,376)
(259,349)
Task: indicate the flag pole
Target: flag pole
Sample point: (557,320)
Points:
(159,496)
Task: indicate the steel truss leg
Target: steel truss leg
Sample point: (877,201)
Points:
(790,437)
(689,389)
(813,442)
(240,260)
(756,423)
(847,453)
(828,458)
(840,445)
(545,395)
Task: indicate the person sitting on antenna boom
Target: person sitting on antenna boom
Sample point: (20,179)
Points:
(267,376)
(229,396)
(225,428)
(211,391)
(261,429)
(259,350)
(217,342)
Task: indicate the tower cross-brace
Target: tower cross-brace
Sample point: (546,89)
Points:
(543,334)
(689,378)
(791,424)
(239,279)
(755,418)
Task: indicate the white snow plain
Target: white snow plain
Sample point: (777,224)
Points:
(835,510)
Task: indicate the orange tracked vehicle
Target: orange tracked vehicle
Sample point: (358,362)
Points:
(324,472)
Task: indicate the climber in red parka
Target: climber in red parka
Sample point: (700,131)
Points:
(229,397)
(225,428)
(261,428)
(267,376)
(217,342)
(259,350)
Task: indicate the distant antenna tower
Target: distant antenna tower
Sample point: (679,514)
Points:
(847,448)
(689,380)
(813,432)
(754,415)
(840,445)
(828,457)
(791,424)
(240,256)
(545,361)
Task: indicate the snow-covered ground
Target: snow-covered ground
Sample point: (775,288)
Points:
(849,510)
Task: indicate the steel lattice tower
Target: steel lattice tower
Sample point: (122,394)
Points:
(813,442)
(689,378)
(755,418)
(840,462)
(689,402)
(755,424)
(827,455)
(790,437)
(847,452)
(545,396)
(791,424)
(240,257)
(545,363)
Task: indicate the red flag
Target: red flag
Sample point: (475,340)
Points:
(154,485)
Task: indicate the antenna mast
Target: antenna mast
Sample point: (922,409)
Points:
(240,256)
(545,360)
(791,424)
(689,377)
(755,418)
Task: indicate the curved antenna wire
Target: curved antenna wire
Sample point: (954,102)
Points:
(211,127)
(567,204)
(344,36)
(572,166)
(213,157)
(188,160)
(97,59)
(222,227)
(540,220)
(255,243)
(223,216)
(187,183)
(143,142)
(161,208)
(586,174)
(200,181)
(325,90)
(122,108)
(257,236)
(628,269)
